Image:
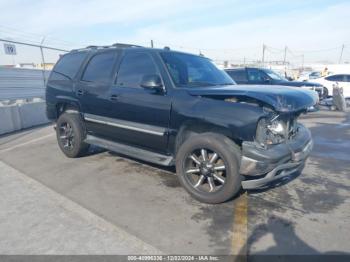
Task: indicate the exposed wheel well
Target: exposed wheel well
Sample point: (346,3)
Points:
(190,129)
(65,106)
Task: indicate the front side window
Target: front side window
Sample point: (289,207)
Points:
(256,75)
(133,67)
(273,75)
(99,68)
(69,64)
(190,70)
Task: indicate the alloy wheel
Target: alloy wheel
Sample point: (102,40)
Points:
(205,170)
(66,135)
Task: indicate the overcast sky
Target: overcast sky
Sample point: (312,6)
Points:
(225,29)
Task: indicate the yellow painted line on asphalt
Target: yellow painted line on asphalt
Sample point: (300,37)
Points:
(240,227)
(26,143)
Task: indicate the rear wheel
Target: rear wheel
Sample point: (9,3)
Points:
(208,167)
(70,134)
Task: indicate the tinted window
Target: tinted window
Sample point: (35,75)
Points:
(273,74)
(133,67)
(190,70)
(238,75)
(347,78)
(256,75)
(69,64)
(314,75)
(335,78)
(99,68)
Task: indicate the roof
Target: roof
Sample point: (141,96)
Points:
(126,46)
(115,46)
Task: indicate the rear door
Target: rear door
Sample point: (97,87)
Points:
(140,116)
(93,91)
(347,86)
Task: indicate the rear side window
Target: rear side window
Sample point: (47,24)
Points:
(238,75)
(133,67)
(69,64)
(337,78)
(100,67)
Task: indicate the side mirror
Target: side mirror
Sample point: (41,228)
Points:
(152,82)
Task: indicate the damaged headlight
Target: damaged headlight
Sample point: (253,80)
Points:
(270,131)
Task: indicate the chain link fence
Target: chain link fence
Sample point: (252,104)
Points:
(24,68)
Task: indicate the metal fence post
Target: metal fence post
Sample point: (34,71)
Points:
(43,63)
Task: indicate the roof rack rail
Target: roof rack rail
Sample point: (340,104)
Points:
(122,45)
(116,45)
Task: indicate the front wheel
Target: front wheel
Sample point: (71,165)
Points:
(208,167)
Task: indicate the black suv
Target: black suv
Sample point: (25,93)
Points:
(173,108)
(264,76)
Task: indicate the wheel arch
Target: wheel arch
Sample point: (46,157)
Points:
(65,104)
(197,127)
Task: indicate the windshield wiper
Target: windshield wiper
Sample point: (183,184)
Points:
(198,83)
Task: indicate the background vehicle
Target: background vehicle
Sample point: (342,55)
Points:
(305,76)
(263,76)
(173,108)
(342,80)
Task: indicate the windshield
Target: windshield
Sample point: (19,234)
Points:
(193,71)
(274,75)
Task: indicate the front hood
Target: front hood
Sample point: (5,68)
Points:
(281,98)
(298,83)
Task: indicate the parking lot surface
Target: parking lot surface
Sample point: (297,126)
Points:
(104,203)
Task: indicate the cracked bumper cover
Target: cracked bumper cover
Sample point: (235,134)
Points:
(276,161)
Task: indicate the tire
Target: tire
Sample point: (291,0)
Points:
(70,125)
(221,176)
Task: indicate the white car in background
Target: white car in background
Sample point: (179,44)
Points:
(342,80)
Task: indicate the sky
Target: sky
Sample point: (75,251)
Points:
(223,30)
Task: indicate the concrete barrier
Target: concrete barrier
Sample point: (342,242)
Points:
(21,115)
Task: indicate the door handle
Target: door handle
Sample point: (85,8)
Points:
(80,92)
(114,97)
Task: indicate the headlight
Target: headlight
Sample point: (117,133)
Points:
(270,131)
(277,128)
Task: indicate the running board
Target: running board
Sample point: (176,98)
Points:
(131,151)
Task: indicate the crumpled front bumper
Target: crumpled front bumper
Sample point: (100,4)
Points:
(275,162)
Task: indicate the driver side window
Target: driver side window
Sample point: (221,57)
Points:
(133,67)
(255,75)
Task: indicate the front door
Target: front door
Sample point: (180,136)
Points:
(141,116)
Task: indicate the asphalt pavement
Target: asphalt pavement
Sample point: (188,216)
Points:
(104,203)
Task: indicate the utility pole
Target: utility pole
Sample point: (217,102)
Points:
(151,43)
(302,62)
(263,55)
(285,55)
(341,53)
